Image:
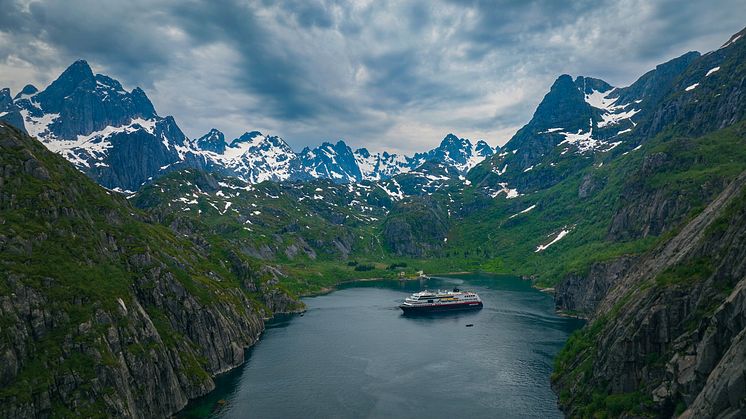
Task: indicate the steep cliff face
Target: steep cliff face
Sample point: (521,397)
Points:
(667,336)
(580,294)
(415,227)
(666,331)
(102,312)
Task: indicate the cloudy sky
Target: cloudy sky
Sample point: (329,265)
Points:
(394,75)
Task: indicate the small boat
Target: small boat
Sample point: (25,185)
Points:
(440,301)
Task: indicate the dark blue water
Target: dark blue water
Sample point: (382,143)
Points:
(353,354)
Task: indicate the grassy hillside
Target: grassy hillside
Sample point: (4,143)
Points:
(322,233)
(92,287)
(683,172)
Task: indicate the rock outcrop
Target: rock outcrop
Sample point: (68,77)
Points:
(102,312)
(666,329)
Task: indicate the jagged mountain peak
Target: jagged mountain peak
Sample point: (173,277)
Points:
(453,141)
(457,152)
(563,104)
(215,132)
(9,112)
(588,85)
(246,137)
(212,141)
(562,82)
(339,146)
(28,90)
(79,70)
(279,142)
(332,161)
(256,143)
(78,74)
(483,148)
(5,99)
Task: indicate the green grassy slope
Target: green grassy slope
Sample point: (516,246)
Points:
(78,263)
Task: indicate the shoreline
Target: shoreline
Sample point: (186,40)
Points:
(328,290)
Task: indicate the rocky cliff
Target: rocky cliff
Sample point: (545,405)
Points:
(104,313)
(667,329)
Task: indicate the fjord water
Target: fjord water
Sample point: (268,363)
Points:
(353,354)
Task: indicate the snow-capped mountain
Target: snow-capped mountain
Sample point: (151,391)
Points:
(457,152)
(252,157)
(113,135)
(339,163)
(116,137)
(578,122)
(589,115)
(9,112)
(381,165)
(331,161)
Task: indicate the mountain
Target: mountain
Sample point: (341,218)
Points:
(457,152)
(627,203)
(104,312)
(9,112)
(584,117)
(380,166)
(665,336)
(331,161)
(213,141)
(339,162)
(255,157)
(102,128)
(252,157)
(117,138)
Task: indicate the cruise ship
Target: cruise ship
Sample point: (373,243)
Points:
(439,301)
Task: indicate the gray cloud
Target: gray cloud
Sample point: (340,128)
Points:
(384,74)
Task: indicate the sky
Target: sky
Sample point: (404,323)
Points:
(382,74)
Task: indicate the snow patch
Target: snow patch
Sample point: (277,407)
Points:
(614,113)
(601,100)
(615,118)
(509,193)
(551,130)
(38,126)
(523,212)
(583,141)
(731,42)
(121,303)
(559,237)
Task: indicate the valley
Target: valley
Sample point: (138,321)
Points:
(138,263)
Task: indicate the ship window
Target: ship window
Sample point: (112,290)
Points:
(429,301)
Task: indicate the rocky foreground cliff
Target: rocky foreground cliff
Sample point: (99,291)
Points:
(667,323)
(667,331)
(104,313)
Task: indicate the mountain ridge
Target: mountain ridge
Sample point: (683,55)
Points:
(88,118)
(627,202)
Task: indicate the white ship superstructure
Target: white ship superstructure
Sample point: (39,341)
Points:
(430,301)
